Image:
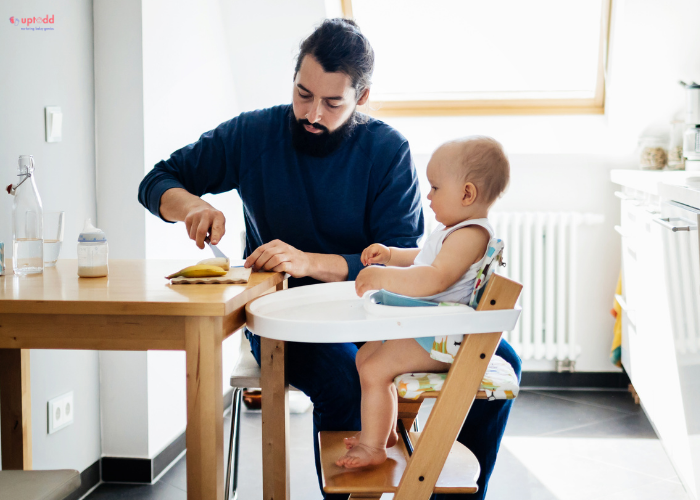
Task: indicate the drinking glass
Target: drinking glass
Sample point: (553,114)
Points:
(54,223)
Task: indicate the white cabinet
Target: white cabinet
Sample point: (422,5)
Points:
(659,315)
(678,314)
(659,380)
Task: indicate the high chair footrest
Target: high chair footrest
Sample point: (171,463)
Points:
(459,474)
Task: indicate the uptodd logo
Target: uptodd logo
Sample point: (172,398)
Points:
(39,23)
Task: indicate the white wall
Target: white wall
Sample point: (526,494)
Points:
(43,68)
(54,373)
(119,166)
(124,404)
(119,126)
(264,40)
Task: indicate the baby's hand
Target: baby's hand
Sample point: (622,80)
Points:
(376,253)
(370,278)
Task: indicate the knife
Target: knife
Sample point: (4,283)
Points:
(215,250)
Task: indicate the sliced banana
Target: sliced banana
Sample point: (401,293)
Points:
(221,262)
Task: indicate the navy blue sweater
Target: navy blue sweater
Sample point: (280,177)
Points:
(364,192)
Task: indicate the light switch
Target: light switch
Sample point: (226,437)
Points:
(54,123)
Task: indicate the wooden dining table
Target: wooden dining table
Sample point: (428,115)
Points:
(133,309)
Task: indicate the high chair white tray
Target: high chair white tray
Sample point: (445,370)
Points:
(332,312)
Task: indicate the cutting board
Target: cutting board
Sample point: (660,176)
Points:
(235,275)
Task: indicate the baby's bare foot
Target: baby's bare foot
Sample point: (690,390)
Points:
(353,441)
(361,455)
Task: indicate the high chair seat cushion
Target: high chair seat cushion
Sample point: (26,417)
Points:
(499,382)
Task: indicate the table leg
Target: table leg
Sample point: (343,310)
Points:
(205,409)
(15,410)
(275,419)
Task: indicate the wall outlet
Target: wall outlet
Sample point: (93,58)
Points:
(61,412)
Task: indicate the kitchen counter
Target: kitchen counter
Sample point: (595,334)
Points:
(648,181)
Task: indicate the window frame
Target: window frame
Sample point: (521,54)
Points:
(571,106)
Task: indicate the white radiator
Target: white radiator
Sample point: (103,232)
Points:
(540,253)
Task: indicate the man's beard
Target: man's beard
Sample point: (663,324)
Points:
(322,144)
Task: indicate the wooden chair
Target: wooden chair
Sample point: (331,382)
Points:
(431,461)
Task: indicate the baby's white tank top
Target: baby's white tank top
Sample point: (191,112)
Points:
(461,291)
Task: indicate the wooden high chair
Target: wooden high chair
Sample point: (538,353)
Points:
(431,461)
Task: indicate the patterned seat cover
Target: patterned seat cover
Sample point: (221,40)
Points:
(499,382)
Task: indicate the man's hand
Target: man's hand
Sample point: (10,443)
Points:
(370,278)
(203,220)
(278,256)
(376,253)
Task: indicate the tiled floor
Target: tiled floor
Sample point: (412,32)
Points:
(559,445)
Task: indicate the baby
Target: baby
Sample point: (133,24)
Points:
(466,176)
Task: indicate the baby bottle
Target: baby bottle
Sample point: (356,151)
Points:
(92,252)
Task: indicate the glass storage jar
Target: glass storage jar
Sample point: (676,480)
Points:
(652,153)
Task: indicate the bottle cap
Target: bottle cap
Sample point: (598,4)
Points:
(91,234)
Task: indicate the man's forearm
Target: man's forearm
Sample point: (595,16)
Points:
(328,267)
(176,203)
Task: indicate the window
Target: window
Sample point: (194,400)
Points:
(485,57)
